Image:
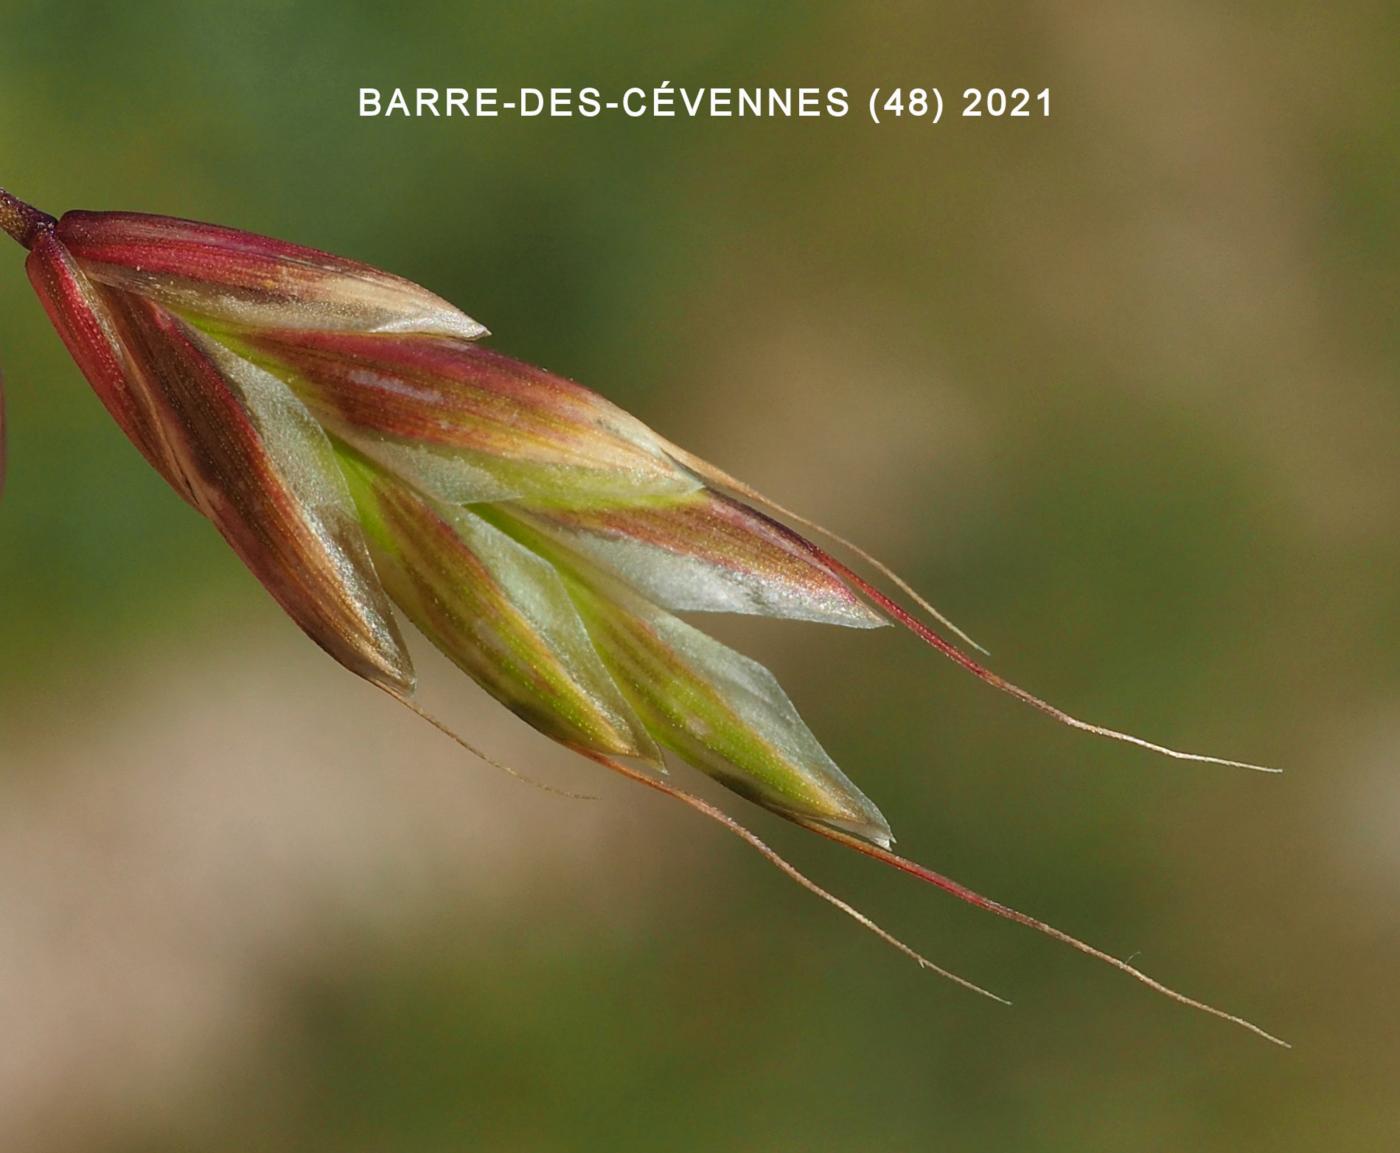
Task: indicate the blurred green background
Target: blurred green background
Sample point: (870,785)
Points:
(1117,389)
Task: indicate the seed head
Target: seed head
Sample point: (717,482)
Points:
(357,448)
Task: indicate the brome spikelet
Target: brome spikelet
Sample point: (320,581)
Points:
(359,449)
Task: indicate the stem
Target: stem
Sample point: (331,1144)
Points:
(23,221)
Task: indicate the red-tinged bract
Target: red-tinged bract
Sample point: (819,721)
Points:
(247,281)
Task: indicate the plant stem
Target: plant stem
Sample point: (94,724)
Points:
(22,221)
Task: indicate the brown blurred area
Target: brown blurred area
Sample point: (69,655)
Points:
(1116,389)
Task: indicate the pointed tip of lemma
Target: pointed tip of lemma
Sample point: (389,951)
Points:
(870,825)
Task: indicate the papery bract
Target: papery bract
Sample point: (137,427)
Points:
(241,279)
(83,322)
(238,445)
(717,709)
(705,552)
(468,423)
(500,612)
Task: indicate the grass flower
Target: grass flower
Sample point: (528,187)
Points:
(360,450)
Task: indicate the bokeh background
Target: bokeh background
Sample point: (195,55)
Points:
(1117,389)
